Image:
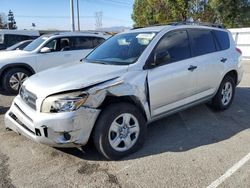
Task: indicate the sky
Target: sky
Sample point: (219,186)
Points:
(55,14)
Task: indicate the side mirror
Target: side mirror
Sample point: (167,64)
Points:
(45,50)
(161,57)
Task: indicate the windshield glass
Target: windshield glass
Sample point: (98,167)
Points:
(36,43)
(123,49)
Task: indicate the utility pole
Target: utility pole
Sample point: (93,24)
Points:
(78,16)
(72,15)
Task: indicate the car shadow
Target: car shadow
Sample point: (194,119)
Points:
(3,92)
(189,129)
(3,110)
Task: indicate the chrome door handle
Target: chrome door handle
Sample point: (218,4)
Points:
(223,60)
(192,68)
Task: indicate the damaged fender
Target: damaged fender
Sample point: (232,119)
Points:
(135,88)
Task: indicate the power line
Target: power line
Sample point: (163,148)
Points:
(50,17)
(111,2)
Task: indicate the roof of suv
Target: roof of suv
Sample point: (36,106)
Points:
(178,25)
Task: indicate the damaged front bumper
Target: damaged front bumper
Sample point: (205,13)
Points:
(67,129)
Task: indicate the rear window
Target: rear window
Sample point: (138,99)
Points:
(202,41)
(222,38)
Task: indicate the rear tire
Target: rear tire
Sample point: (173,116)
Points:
(224,96)
(119,131)
(13,79)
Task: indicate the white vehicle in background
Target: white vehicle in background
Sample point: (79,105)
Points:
(43,53)
(20,45)
(11,37)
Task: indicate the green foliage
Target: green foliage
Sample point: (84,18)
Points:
(231,13)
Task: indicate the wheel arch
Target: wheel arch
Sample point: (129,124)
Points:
(233,74)
(125,99)
(25,66)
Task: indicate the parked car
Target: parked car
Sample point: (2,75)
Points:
(45,52)
(130,80)
(20,45)
(11,37)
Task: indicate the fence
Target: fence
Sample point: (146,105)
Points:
(242,40)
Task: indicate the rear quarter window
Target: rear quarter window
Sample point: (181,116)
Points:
(222,38)
(202,41)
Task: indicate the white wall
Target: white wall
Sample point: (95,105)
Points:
(242,40)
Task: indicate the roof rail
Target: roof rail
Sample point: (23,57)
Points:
(221,26)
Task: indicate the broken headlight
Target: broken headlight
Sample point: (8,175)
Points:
(64,102)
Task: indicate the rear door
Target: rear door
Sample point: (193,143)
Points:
(210,68)
(171,82)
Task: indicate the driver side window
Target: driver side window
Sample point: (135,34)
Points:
(52,45)
(174,46)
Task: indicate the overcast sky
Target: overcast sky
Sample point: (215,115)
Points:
(55,14)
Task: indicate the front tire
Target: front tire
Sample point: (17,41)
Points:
(14,78)
(119,131)
(224,97)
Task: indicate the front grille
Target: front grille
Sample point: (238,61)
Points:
(28,97)
(23,112)
(13,116)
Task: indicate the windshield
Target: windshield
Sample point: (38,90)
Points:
(36,43)
(123,49)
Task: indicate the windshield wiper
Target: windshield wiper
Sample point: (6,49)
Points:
(97,61)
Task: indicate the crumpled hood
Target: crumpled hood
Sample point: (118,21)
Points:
(70,77)
(12,54)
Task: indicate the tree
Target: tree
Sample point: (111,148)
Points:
(3,24)
(231,13)
(11,20)
(150,12)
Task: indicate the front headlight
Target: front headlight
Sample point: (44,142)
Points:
(64,102)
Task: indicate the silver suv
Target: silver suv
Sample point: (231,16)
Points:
(130,80)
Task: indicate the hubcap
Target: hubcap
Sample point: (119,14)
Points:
(17,79)
(124,132)
(226,93)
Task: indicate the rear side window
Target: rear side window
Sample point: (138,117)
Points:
(79,43)
(222,38)
(202,41)
(173,47)
(97,41)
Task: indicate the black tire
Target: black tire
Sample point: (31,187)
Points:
(217,103)
(103,124)
(7,76)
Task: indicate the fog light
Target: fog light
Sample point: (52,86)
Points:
(67,136)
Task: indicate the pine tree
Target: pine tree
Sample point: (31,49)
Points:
(11,20)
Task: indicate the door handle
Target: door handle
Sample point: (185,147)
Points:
(223,60)
(192,67)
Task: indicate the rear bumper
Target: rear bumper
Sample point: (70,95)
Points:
(69,129)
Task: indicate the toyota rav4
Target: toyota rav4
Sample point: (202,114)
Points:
(132,79)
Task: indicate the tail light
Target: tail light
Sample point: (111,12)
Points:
(238,50)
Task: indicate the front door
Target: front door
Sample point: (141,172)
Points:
(60,53)
(172,80)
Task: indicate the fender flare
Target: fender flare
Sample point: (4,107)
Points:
(13,65)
